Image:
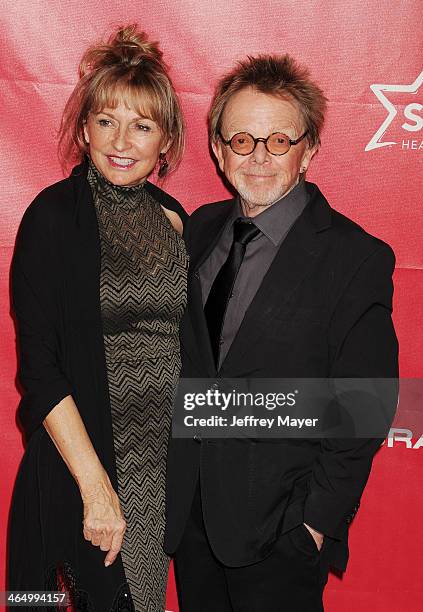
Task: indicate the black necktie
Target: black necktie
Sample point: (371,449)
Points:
(221,290)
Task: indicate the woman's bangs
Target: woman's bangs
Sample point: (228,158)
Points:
(140,98)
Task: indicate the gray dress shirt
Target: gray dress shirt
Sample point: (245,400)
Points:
(274,223)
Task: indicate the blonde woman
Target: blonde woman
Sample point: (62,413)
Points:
(99,287)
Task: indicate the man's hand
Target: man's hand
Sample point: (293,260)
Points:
(317,536)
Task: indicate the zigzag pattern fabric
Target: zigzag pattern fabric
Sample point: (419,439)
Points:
(143,296)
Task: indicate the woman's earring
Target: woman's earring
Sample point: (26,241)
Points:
(163,165)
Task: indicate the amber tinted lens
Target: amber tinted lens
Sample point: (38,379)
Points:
(242,143)
(278,144)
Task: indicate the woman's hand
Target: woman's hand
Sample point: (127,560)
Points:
(104,524)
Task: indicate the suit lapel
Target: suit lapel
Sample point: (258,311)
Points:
(200,245)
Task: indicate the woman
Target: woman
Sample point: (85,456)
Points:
(99,287)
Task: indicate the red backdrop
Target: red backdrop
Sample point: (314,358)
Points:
(350,48)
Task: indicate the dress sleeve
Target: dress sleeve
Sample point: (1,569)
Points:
(365,346)
(36,305)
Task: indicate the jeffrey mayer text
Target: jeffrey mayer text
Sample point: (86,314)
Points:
(248,421)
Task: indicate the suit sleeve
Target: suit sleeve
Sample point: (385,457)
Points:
(363,345)
(35,282)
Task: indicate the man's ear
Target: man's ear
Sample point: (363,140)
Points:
(217,148)
(308,155)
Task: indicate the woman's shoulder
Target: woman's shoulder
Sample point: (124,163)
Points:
(166,200)
(50,201)
(49,210)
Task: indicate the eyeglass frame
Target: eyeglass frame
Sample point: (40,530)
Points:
(264,140)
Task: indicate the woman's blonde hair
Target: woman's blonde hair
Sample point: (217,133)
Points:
(127,67)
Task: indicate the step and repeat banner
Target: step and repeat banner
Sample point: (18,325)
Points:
(367,57)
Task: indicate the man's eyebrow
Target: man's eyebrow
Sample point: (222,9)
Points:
(274,127)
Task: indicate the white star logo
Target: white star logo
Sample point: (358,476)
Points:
(378,90)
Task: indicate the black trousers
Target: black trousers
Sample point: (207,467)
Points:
(291,579)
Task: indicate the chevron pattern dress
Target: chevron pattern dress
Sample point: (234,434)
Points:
(143,296)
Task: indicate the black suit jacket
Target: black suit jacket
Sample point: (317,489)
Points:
(323,310)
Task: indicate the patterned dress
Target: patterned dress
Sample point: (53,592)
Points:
(143,296)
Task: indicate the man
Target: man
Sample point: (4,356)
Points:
(281,285)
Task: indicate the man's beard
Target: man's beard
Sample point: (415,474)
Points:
(259,198)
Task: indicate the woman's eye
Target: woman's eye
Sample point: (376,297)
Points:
(104,122)
(143,128)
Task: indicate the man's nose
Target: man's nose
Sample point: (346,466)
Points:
(121,141)
(260,154)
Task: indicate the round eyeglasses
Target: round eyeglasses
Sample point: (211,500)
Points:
(277,143)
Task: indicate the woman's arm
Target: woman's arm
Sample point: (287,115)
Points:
(103,523)
(47,393)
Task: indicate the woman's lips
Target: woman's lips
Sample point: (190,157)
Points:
(123,163)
